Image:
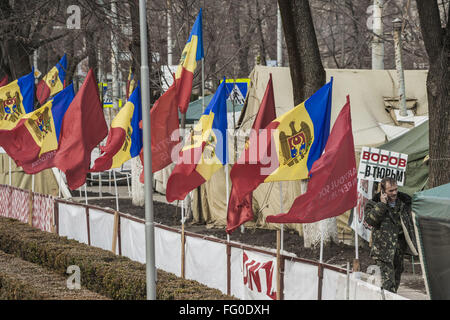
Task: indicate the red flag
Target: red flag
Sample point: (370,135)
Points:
(240,212)
(4,81)
(83,128)
(332,187)
(164,121)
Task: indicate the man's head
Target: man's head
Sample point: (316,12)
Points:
(389,186)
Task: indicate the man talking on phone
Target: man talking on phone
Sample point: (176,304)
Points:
(389,214)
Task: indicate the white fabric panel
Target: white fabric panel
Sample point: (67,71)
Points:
(168,251)
(206,262)
(236,282)
(72,222)
(132,236)
(335,288)
(101,225)
(259,276)
(334,285)
(362,290)
(300,281)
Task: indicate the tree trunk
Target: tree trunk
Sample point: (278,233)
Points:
(243,49)
(437,45)
(308,75)
(307,71)
(262,45)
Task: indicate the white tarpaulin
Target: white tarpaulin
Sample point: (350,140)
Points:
(258,276)
(73,222)
(300,281)
(206,262)
(168,251)
(236,282)
(132,235)
(101,227)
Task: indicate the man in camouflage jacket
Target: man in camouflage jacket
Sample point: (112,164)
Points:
(389,214)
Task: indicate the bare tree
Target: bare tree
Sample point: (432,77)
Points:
(436,36)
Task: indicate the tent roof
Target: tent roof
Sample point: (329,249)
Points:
(414,143)
(434,203)
(367,89)
(195,109)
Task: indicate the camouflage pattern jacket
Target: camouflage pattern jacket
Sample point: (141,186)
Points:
(392,228)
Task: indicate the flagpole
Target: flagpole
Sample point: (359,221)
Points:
(227,193)
(10,171)
(115,188)
(148,178)
(183,239)
(279,246)
(203,84)
(59,185)
(321,241)
(85,193)
(281,211)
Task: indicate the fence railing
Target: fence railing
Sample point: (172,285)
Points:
(244,271)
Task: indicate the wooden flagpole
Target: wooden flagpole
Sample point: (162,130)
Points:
(183,241)
(10,171)
(227,177)
(115,188)
(279,246)
(85,193)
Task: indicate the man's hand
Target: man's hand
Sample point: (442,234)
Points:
(383,197)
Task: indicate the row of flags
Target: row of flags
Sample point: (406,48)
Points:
(296,145)
(61,133)
(40,139)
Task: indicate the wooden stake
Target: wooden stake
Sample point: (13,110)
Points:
(356,266)
(115,231)
(278,265)
(183,240)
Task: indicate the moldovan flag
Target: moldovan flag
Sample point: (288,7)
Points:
(16,99)
(52,82)
(35,138)
(164,130)
(241,212)
(288,147)
(125,137)
(332,187)
(193,52)
(204,152)
(4,81)
(83,128)
(131,84)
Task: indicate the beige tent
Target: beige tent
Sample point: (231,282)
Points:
(368,90)
(45,181)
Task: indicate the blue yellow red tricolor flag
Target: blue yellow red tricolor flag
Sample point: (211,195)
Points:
(131,83)
(193,52)
(205,151)
(125,137)
(239,212)
(332,187)
(16,99)
(37,133)
(52,82)
(4,81)
(292,143)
